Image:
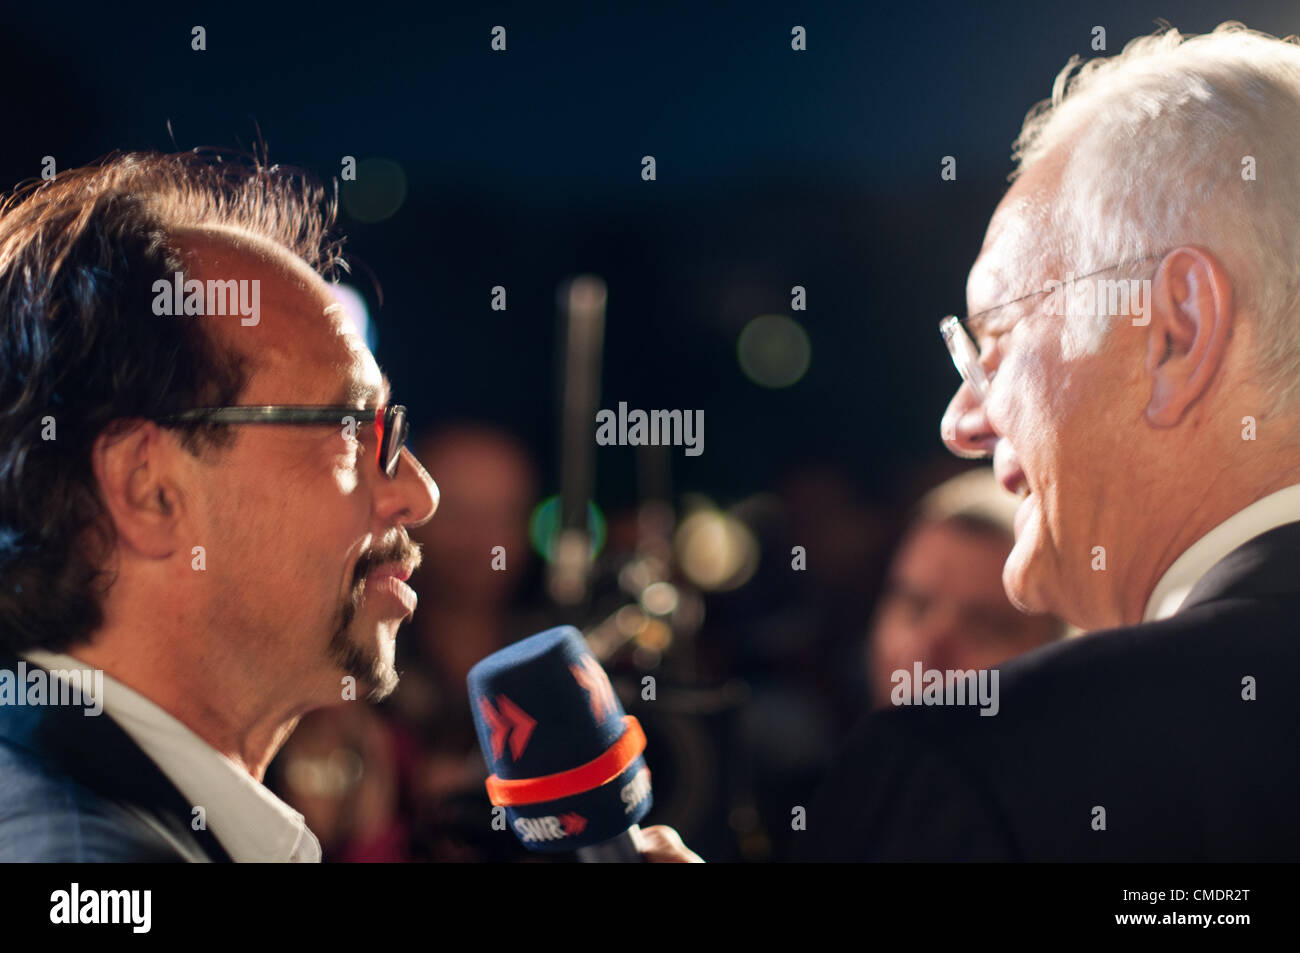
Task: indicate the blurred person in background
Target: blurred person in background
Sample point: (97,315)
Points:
(943,604)
(469,610)
(341,768)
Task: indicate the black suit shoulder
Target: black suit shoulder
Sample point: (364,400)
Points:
(1143,729)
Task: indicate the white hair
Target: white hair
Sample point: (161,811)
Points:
(1158,143)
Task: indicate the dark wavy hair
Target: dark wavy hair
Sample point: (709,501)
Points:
(79,343)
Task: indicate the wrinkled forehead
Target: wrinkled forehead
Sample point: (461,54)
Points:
(304,346)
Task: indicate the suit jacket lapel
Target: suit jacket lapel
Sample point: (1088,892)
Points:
(97,752)
(1268,565)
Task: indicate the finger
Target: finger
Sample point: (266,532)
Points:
(661,844)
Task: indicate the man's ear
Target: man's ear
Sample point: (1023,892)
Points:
(133,467)
(1191,321)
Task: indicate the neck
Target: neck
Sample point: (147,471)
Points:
(1185,521)
(228,706)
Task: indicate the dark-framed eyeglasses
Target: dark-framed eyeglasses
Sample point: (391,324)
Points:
(390,423)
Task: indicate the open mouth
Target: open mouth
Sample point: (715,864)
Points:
(389,580)
(392,583)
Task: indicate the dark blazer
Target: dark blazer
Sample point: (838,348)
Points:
(1145,721)
(76,788)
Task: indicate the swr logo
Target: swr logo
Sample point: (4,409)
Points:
(573,823)
(510,722)
(549,827)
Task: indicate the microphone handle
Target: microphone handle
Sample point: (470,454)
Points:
(622,849)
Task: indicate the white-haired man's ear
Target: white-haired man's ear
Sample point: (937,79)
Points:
(1192,318)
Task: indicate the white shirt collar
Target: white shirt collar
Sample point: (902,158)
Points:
(1186,571)
(252,824)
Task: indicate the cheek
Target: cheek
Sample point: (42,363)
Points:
(1038,400)
(1076,338)
(250,521)
(304,532)
(990,656)
(345,478)
(893,636)
(345,466)
(1015,401)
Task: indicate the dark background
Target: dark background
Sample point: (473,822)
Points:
(775,168)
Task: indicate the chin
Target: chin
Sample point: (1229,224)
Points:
(368,654)
(1018,578)
(382,658)
(1019,598)
(1032,578)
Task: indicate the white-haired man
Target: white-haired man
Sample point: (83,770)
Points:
(1157,451)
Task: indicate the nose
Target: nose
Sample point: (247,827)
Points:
(965,428)
(412,497)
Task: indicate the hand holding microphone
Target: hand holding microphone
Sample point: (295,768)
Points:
(565,759)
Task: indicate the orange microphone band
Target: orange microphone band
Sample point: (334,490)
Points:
(551,787)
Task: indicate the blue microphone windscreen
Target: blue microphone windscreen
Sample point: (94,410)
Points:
(544,707)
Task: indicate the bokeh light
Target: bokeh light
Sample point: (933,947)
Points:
(774,350)
(377,192)
(544,527)
(716,551)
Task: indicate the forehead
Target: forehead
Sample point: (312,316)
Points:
(953,558)
(304,348)
(1019,251)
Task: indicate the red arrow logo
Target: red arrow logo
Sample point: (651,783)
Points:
(573,823)
(510,722)
(600,693)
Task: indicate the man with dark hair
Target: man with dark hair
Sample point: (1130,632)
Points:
(208,507)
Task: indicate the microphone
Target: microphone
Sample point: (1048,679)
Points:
(565,759)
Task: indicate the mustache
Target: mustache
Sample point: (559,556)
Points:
(398,549)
